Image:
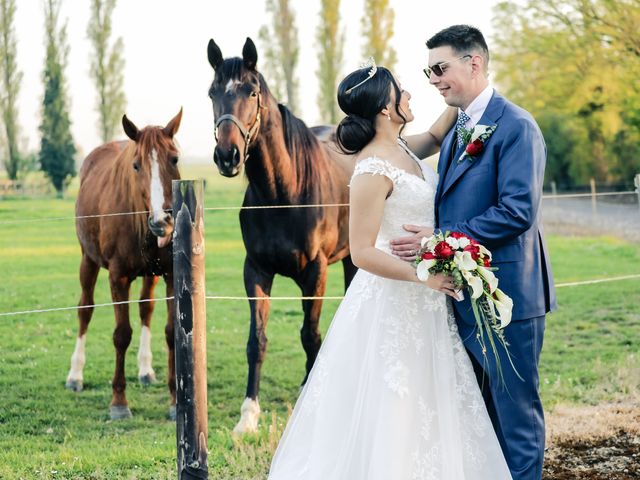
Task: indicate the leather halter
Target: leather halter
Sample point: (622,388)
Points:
(247,134)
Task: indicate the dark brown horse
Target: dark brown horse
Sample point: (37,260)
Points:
(127,176)
(286,164)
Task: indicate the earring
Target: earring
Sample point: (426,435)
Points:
(388,117)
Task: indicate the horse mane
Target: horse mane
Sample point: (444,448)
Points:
(304,150)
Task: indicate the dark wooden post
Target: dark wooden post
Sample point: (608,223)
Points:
(190,329)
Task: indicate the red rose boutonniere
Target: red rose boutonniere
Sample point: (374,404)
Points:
(475,140)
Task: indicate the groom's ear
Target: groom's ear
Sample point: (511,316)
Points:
(477,65)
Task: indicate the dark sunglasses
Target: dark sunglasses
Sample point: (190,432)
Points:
(439,68)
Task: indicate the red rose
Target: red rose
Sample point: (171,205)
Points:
(428,256)
(443,250)
(458,235)
(474,250)
(475,147)
(487,262)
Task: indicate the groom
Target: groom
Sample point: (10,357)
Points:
(494,196)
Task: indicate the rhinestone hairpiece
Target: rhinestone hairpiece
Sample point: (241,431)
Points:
(371,63)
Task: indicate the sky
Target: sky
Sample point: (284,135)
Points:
(165,44)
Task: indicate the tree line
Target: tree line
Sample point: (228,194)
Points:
(57,148)
(575,66)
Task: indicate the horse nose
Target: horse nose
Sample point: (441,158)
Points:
(227,159)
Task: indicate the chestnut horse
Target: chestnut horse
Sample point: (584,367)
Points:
(285,164)
(118,177)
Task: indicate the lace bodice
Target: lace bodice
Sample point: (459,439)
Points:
(411,200)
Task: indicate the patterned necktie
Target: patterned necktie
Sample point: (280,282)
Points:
(463,118)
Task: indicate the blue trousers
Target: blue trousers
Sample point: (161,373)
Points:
(514,406)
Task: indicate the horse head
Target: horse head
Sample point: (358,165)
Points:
(238,93)
(154,160)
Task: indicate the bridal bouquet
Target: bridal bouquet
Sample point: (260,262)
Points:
(469,264)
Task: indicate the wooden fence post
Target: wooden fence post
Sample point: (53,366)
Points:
(594,207)
(190,329)
(636,182)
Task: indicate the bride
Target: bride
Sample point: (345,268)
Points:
(392,394)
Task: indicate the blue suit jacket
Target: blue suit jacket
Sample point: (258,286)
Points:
(495,199)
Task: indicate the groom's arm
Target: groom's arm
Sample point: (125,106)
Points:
(520,168)
(426,144)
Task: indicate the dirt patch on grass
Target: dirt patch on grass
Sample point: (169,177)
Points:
(593,443)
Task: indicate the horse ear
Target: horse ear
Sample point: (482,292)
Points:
(215,54)
(173,125)
(130,129)
(249,54)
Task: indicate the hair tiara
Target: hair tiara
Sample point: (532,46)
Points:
(370,63)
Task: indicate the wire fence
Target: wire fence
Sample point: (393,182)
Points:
(275,207)
(267,207)
(244,298)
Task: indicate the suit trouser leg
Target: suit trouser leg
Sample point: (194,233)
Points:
(515,407)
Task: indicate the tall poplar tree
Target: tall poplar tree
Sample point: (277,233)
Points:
(279,41)
(10,80)
(107,68)
(331,44)
(56,145)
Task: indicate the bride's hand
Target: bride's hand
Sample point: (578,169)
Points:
(442,283)
(406,248)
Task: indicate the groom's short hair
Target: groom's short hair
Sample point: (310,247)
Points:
(463,39)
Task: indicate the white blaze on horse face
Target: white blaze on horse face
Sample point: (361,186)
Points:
(144,355)
(77,360)
(157,192)
(232,85)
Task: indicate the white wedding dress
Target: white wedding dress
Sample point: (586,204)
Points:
(392,394)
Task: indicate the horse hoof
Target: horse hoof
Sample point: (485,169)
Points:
(74,385)
(119,412)
(249,415)
(148,379)
(172,413)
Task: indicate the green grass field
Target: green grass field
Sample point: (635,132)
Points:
(591,351)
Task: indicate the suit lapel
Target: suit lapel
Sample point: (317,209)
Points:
(444,161)
(490,117)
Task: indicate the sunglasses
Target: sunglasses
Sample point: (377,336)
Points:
(439,68)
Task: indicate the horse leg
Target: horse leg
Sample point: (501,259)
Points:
(257,284)
(349,270)
(146,375)
(170,338)
(312,281)
(88,275)
(120,285)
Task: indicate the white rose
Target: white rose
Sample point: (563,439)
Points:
(453,243)
(463,242)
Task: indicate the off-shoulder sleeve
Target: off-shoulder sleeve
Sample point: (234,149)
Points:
(376,166)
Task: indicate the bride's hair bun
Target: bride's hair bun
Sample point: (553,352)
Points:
(354,133)
(361,96)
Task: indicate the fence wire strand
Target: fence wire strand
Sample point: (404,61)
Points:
(230,297)
(275,207)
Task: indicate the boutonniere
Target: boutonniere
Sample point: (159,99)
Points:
(475,140)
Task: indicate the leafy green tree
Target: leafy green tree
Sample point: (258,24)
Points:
(377,27)
(10,82)
(279,41)
(579,60)
(57,149)
(331,44)
(107,69)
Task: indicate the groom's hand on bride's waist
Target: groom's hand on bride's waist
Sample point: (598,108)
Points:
(406,248)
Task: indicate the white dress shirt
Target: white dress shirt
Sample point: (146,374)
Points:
(476,109)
